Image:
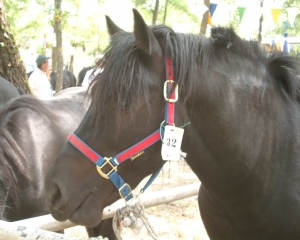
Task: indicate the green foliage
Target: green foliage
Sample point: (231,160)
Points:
(13,7)
(282,25)
(85,26)
(31,19)
(180,7)
(235,20)
(23,28)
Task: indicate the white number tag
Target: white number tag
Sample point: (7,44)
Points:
(171,147)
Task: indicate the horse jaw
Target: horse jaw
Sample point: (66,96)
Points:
(145,39)
(112,27)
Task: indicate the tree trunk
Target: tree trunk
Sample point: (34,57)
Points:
(71,67)
(165,13)
(205,18)
(54,59)
(11,68)
(155,13)
(260,22)
(58,34)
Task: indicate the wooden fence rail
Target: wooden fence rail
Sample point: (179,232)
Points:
(39,227)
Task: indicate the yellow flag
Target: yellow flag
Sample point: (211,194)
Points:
(209,21)
(275,14)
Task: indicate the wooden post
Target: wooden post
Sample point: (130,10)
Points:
(155,13)
(11,66)
(205,18)
(149,199)
(165,13)
(59,51)
(9,231)
(260,22)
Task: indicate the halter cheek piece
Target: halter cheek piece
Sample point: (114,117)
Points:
(171,96)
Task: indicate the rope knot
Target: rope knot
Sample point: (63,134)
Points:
(138,210)
(134,218)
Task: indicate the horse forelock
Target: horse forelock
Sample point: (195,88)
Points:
(124,77)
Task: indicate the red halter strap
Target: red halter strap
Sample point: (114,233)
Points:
(123,188)
(170,93)
(117,159)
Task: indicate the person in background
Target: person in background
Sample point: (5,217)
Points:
(92,73)
(38,80)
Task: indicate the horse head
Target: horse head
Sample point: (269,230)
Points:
(127,107)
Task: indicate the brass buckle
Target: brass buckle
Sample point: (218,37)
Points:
(165,91)
(99,169)
(120,189)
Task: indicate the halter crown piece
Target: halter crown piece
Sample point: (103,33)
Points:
(171,96)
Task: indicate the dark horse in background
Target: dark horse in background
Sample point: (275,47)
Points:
(69,79)
(243,142)
(32,133)
(7,91)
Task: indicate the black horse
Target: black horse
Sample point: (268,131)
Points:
(69,79)
(243,141)
(7,91)
(32,132)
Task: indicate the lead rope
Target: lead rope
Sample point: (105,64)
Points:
(132,216)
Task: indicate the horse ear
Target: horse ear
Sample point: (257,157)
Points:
(112,27)
(145,39)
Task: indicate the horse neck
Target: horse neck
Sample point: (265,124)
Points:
(235,132)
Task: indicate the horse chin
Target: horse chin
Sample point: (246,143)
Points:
(58,215)
(85,219)
(86,215)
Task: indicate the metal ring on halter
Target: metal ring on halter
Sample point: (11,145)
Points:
(100,171)
(165,91)
(120,189)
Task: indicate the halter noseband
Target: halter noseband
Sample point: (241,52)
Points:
(171,96)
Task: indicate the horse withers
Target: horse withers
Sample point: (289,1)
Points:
(243,141)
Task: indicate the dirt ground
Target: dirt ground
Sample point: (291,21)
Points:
(176,220)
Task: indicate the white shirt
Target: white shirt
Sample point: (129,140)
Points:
(89,76)
(40,85)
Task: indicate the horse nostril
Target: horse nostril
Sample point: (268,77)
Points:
(55,200)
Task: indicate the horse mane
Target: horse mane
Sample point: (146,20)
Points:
(11,155)
(285,69)
(124,62)
(281,67)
